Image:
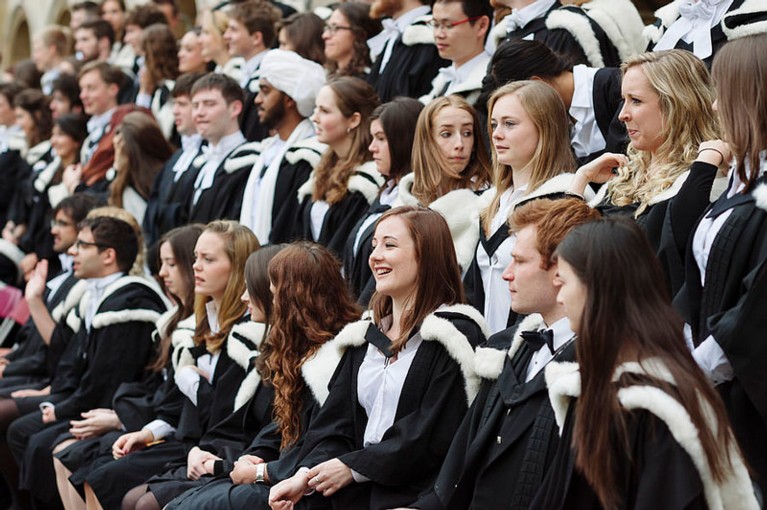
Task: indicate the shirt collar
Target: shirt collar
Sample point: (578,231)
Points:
(562,332)
(191,142)
(99,284)
(406,19)
(226,145)
(530,12)
(66,262)
(583,81)
(99,122)
(212,313)
(251,65)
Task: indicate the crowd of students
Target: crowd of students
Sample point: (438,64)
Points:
(448,256)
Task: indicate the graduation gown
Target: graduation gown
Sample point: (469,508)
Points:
(413,64)
(666,467)
(362,189)
(249,124)
(436,393)
(607,101)
(506,442)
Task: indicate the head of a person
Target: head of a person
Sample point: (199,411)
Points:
(668,112)
(389,8)
(258,295)
(65,96)
(311,305)
(99,86)
(94,40)
(738,74)
(213,25)
(33,115)
(346,33)
(138,19)
(448,152)
(8,92)
(392,129)
(26,73)
(176,259)
(114,12)
(140,152)
(302,32)
(82,12)
(219,272)
(250,28)
(67,136)
(190,53)
(67,215)
(137,269)
(50,46)
(287,82)
(104,246)
(169,8)
(414,263)
(70,65)
(460,28)
(539,226)
(182,103)
(217,101)
(160,51)
(618,317)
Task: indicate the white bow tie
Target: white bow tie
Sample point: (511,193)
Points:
(449,73)
(696,19)
(514,21)
(378,42)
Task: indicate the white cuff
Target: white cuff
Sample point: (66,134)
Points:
(159,429)
(188,381)
(712,360)
(359,477)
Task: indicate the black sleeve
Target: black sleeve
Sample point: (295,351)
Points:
(687,206)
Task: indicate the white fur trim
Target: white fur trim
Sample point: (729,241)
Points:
(73,321)
(244,156)
(104,319)
(599,197)
(11,251)
(71,301)
(309,150)
(247,388)
(470,312)
(418,32)
(746,29)
(183,341)
(580,27)
(488,362)
(564,383)
(621,22)
(461,209)
(364,185)
(760,196)
(671,191)
(470,87)
(199,161)
(57,193)
(668,14)
(352,335)
(162,321)
(498,33)
(240,352)
(306,189)
(43,179)
(318,370)
(116,285)
(323,11)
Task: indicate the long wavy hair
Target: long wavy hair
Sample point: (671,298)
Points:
(311,305)
(625,319)
(433,175)
(553,155)
(181,241)
(438,280)
(352,95)
(363,27)
(740,77)
(161,53)
(239,243)
(683,85)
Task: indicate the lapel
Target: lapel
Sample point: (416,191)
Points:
(491,245)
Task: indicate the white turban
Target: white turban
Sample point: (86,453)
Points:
(295,76)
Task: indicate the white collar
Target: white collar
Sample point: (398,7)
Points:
(98,123)
(66,261)
(696,19)
(226,145)
(97,285)
(562,332)
(212,313)
(406,19)
(583,84)
(519,18)
(191,142)
(250,67)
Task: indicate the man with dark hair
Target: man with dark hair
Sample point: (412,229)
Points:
(460,29)
(249,34)
(104,341)
(502,450)
(65,96)
(174,184)
(93,41)
(99,86)
(226,160)
(405,58)
(83,12)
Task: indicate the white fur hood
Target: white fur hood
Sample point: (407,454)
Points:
(365,180)
(488,362)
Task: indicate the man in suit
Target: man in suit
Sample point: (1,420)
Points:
(503,448)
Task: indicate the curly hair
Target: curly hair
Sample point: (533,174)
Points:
(363,27)
(311,305)
(686,96)
(161,53)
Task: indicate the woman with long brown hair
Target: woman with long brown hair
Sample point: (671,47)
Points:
(346,33)
(158,75)
(311,305)
(404,381)
(646,428)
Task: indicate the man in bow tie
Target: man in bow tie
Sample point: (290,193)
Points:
(504,446)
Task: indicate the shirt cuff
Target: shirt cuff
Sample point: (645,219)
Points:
(188,381)
(359,477)
(159,429)
(713,361)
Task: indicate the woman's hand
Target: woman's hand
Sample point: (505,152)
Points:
(598,171)
(31,393)
(199,463)
(72,177)
(329,477)
(288,492)
(95,422)
(715,152)
(244,471)
(131,442)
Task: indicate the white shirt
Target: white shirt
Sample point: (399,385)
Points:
(392,32)
(190,147)
(54,283)
(187,379)
(520,18)
(250,67)
(587,138)
(319,210)
(215,155)
(562,334)
(459,75)
(95,289)
(696,19)
(97,126)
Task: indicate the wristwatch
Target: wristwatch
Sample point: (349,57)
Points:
(261,473)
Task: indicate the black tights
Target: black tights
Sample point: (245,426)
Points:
(140,498)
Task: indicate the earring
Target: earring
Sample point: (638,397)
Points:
(348,130)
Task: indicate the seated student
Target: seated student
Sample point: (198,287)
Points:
(115,306)
(157,76)
(490,464)
(99,85)
(405,379)
(345,34)
(451,170)
(153,403)
(407,43)
(302,32)
(460,29)
(12,144)
(212,367)
(311,305)
(190,53)
(222,170)
(592,96)
(165,208)
(345,182)
(287,90)
(249,34)
(93,42)
(138,19)
(641,426)
(65,96)
(392,128)
(114,12)
(49,47)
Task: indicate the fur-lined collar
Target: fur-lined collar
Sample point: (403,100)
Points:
(309,150)
(109,318)
(736,491)
(760,196)
(69,302)
(242,346)
(34,154)
(622,23)
(749,19)
(45,176)
(433,328)
(318,370)
(365,180)
(664,16)
(488,362)
(242,156)
(666,194)
(470,87)
(418,32)
(579,26)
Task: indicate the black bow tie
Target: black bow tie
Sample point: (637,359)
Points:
(537,339)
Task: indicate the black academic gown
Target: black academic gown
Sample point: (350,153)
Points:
(431,406)
(13,170)
(608,102)
(249,124)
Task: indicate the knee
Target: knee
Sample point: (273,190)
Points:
(131,498)
(148,502)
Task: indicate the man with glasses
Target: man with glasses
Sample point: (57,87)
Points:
(460,28)
(105,341)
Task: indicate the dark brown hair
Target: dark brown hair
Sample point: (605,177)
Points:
(363,27)
(35,103)
(398,119)
(160,53)
(627,316)
(257,278)
(438,280)
(257,17)
(311,305)
(304,31)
